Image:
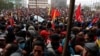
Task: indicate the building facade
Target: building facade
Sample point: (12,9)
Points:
(24,3)
(37,3)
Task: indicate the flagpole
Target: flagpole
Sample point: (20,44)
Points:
(36,10)
(71,12)
(37,14)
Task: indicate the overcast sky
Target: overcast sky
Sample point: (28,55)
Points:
(84,2)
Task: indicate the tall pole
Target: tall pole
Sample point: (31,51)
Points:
(37,14)
(65,50)
(36,10)
(36,5)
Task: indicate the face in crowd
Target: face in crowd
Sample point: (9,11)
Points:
(38,49)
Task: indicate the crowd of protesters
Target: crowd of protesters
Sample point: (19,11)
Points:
(22,35)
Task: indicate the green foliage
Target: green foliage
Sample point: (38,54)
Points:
(5,5)
(86,7)
(97,7)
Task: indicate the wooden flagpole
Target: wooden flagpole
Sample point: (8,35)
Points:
(71,12)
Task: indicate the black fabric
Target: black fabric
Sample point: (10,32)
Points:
(10,37)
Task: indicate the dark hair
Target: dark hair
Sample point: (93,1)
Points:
(12,48)
(21,34)
(98,24)
(49,25)
(10,29)
(91,36)
(39,43)
(39,38)
(28,34)
(98,32)
(42,27)
(54,37)
(56,26)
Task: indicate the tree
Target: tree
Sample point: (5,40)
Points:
(9,5)
(2,3)
(5,5)
(86,7)
(97,7)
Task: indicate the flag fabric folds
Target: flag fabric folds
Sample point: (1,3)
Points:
(78,14)
(93,22)
(54,13)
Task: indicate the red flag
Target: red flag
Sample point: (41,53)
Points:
(95,20)
(54,13)
(78,14)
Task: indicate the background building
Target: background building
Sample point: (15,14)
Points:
(24,3)
(40,3)
(18,3)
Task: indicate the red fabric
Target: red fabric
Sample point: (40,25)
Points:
(60,49)
(95,20)
(64,33)
(44,34)
(11,21)
(54,13)
(78,14)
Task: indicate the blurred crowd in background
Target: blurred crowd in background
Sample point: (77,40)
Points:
(36,32)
